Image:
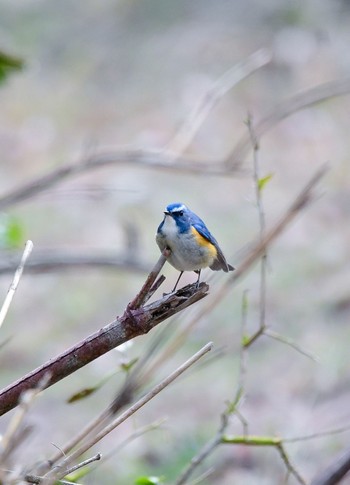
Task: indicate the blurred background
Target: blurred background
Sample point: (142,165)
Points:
(109,75)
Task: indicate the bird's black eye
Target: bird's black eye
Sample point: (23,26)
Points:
(181,213)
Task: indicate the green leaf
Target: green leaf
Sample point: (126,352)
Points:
(245,340)
(82,394)
(9,64)
(87,391)
(149,480)
(15,234)
(263,181)
(126,366)
(11,233)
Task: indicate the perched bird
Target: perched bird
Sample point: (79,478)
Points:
(189,243)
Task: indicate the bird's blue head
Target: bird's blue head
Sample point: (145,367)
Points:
(180,214)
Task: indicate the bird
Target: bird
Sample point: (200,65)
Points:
(187,242)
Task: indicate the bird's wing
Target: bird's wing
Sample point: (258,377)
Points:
(204,231)
(220,261)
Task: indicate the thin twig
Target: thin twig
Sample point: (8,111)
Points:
(183,138)
(291,468)
(73,468)
(202,477)
(320,434)
(15,431)
(29,478)
(233,407)
(207,449)
(16,279)
(242,352)
(285,340)
(296,103)
(136,434)
(261,215)
(55,474)
(59,260)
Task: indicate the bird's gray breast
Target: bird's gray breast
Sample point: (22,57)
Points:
(186,254)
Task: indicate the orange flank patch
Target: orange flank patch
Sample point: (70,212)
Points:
(202,241)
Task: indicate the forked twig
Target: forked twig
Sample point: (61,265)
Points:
(270,441)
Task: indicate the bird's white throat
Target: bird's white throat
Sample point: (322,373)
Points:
(169,227)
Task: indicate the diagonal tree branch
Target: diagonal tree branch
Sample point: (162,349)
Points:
(136,320)
(335,472)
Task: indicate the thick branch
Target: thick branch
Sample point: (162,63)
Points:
(136,320)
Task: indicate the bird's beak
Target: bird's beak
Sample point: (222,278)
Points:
(167,213)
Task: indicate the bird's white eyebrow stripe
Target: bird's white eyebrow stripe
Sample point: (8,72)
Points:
(180,208)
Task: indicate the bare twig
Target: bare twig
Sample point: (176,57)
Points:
(296,103)
(58,260)
(290,468)
(207,449)
(201,477)
(136,434)
(16,431)
(243,353)
(233,406)
(262,223)
(285,340)
(54,475)
(30,478)
(220,87)
(16,279)
(38,480)
(88,461)
(319,434)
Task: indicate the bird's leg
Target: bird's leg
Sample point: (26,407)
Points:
(177,281)
(198,271)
